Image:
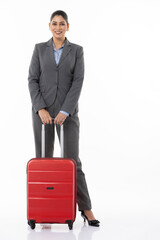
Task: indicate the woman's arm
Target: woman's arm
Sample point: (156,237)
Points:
(75,90)
(33,82)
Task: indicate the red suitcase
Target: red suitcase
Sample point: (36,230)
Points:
(51,188)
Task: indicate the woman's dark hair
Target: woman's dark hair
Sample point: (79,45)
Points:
(60,13)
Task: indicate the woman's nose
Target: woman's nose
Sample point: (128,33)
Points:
(59,26)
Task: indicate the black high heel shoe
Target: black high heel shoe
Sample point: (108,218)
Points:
(94,223)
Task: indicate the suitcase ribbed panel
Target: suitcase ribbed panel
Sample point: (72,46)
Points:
(51,190)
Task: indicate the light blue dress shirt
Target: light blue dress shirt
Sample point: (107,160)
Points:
(57,56)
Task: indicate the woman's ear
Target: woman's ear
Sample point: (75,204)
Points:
(68,27)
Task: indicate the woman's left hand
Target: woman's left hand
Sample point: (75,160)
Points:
(60,118)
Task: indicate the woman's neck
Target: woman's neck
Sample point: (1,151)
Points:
(58,43)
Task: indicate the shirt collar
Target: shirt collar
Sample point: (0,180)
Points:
(59,48)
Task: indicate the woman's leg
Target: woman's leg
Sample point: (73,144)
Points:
(71,150)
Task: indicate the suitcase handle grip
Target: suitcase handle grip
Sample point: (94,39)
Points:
(43,140)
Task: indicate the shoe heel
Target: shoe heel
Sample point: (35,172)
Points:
(83,217)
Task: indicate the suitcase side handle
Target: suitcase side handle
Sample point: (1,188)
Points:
(43,140)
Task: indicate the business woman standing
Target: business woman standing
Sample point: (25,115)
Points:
(55,78)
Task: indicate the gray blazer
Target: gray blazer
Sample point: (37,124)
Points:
(49,82)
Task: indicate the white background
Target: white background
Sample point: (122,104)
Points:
(119,114)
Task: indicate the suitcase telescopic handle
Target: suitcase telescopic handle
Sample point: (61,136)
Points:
(61,140)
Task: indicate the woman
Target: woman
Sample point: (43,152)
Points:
(56,75)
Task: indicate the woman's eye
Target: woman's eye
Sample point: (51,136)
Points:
(61,24)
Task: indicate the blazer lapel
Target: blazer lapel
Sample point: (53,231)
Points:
(66,50)
(51,53)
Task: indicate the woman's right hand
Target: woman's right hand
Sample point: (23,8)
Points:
(45,116)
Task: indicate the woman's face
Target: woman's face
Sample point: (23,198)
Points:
(58,27)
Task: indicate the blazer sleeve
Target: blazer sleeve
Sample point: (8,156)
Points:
(73,94)
(33,82)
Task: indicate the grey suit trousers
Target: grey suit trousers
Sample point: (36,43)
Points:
(71,148)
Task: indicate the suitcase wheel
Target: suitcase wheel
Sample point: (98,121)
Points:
(32,224)
(70,224)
